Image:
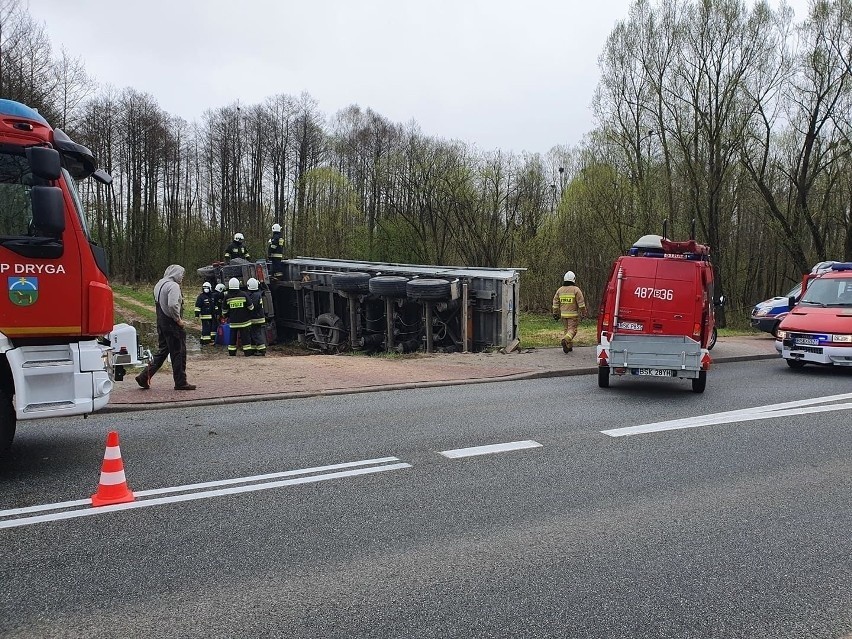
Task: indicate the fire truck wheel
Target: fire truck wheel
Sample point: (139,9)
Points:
(699,383)
(354,282)
(429,289)
(713,336)
(327,329)
(795,363)
(7,421)
(603,376)
(388,285)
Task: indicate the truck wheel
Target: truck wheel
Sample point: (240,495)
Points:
(7,422)
(603,376)
(388,285)
(428,289)
(713,336)
(699,383)
(354,282)
(327,330)
(795,363)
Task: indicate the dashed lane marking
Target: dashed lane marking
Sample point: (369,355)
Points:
(487,450)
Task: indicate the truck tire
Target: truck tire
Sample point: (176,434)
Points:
(351,282)
(699,383)
(389,285)
(795,363)
(713,337)
(7,422)
(428,289)
(327,328)
(603,376)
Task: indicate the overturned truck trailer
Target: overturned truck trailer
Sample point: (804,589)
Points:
(332,305)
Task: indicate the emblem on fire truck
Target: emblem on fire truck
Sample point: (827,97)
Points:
(23,291)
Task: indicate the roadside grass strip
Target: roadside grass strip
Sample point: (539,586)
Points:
(12,518)
(771,411)
(487,450)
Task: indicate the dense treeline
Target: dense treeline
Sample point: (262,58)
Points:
(718,111)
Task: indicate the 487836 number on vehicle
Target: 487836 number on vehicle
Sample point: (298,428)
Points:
(643,292)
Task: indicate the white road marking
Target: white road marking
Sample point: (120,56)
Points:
(784,409)
(487,450)
(188,487)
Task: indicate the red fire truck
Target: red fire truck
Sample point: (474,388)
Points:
(656,317)
(59,350)
(818,329)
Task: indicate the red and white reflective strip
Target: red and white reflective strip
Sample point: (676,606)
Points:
(706,361)
(112,478)
(112,470)
(603,360)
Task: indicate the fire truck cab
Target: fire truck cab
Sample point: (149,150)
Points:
(656,317)
(59,350)
(818,330)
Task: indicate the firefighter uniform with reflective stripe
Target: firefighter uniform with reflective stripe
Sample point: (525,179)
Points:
(236,249)
(205,308)
(569,304)
(258,323)
(275,253)
(237,308)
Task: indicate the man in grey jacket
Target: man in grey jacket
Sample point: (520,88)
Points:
(171,336)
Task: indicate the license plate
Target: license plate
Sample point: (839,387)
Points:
(653,372)
(806,341)
(630,326)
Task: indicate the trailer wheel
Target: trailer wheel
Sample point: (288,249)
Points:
(429,289)
(795,363)
(603,376)
(388,285)
(713,336)
(354,282)
(699,383)
(7,421)
(327,329)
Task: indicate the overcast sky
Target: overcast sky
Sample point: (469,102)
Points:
(514,75)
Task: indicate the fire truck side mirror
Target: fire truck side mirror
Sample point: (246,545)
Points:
(44,162)
(48,210)
(721,301)
(102,176)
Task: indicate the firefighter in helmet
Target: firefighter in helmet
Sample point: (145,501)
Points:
(237,308)
(258,317)
(205,309)
(569,304)
(275,251)
(237,249)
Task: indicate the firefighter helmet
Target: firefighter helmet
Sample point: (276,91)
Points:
(276,228)
(220,287)
(252,284)
(205,287)
(233,284)
(238,237)
(569,277)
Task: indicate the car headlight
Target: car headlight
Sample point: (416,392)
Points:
(759,312)
(844,339)
(781,335)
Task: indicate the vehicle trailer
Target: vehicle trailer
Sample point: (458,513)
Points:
(59,350)
(657,314)
(331,305)
(818,330)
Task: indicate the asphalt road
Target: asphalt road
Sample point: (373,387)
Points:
(731,529)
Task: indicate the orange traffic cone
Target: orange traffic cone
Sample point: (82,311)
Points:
(112,488)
